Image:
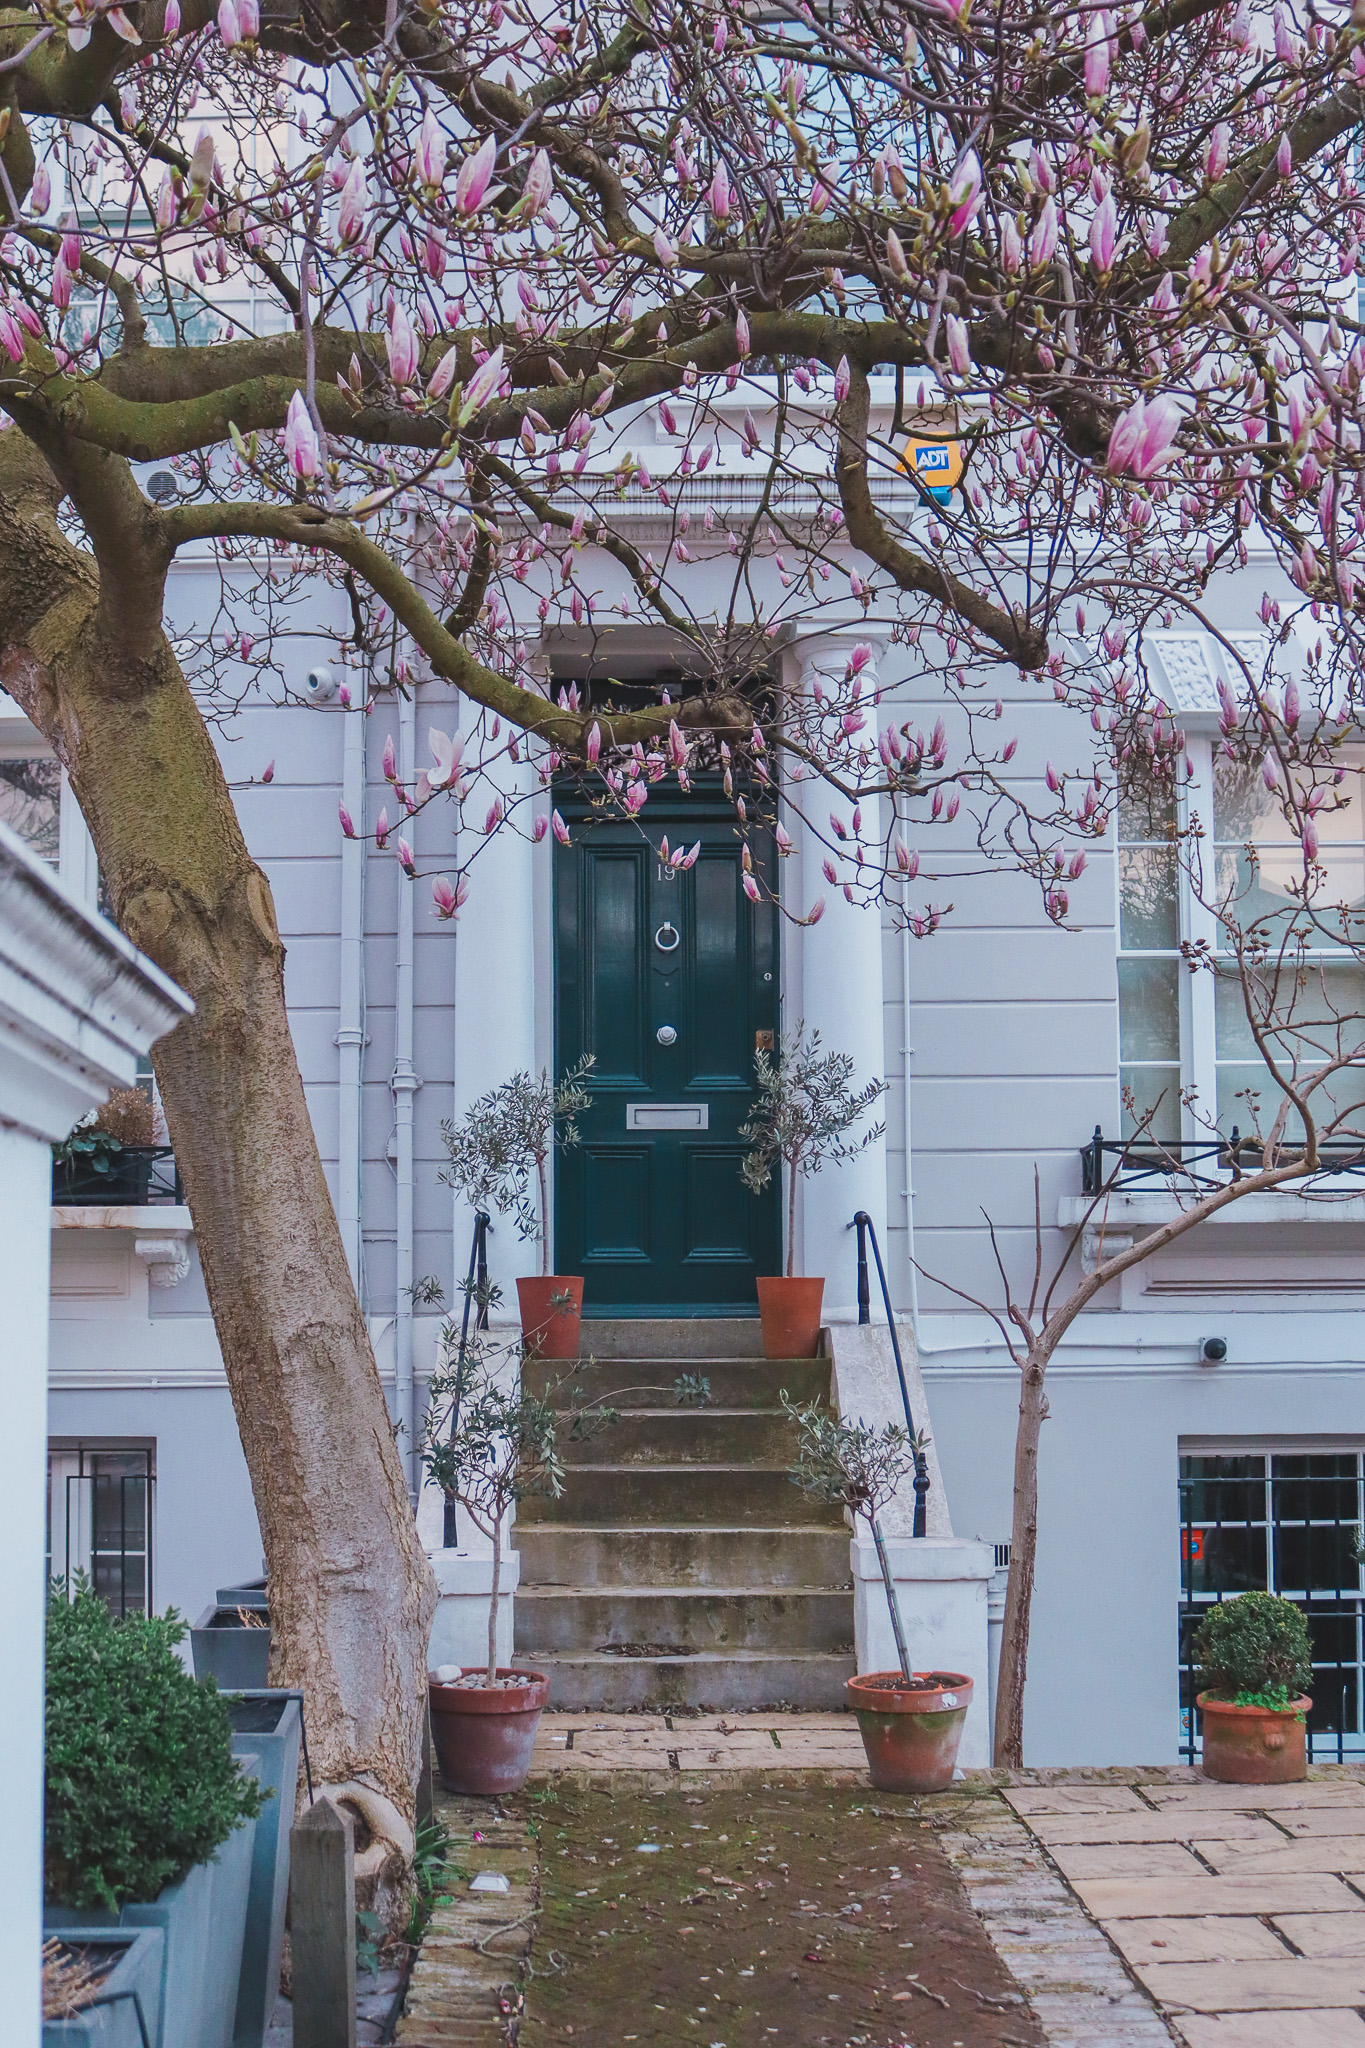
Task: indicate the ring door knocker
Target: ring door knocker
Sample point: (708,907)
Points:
(668,938)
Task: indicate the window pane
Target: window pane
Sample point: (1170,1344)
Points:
(1146,814)
(1151,1088)
(1147,899)
(1243,808)
(1149,1010)
(30,804)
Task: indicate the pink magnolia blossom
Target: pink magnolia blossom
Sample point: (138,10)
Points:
(964,193)
(1011,246)
(447,751)
(1098,55)
(664,250)
(1143,438)
(401,346)
(751,889)
(405,858)
(354,206)
(594,745)
(171,24)
(446,899)
(11,336)
(1310,839)
(1104,234)
(559,828)
(1043,240)
(300,439)
(476,174)
(1217,153)
(959,350)
(677,745)
(539,829)
(483,384)
(843,378)
(229,25)
(718,194)
(637,795)
(431,152)
(539,186)
(443,376)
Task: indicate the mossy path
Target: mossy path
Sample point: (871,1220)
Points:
(756,1913)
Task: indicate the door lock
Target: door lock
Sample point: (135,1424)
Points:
(666,1035)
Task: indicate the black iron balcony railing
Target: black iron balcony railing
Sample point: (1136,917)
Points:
(1206,1163)
(863,1224)
(134,1177)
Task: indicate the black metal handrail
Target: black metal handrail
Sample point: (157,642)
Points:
(865,1228)
(1205,1163)
(134,1177)
(475,1289)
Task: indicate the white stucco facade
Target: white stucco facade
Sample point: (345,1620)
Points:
(998,1037)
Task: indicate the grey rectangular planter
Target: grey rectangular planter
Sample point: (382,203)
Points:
(251,1593)
(269,1725)
(203,1920)
(132,1987)
(238,1657)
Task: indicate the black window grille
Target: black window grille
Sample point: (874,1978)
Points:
(1287,1522)
(99,1521)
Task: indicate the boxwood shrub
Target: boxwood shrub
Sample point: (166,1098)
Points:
(141,1780)
(1254,1651)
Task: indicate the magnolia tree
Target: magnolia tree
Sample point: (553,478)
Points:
(389,289)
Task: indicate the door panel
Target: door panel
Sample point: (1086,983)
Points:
(657,1219)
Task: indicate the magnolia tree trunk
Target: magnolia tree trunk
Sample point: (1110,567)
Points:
(351,1592)
(1009,1697)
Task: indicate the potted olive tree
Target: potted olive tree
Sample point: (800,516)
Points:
(910,1721)
(148,1815)
(488,1442)
(500,1154)
(1255,1662)
(806,1107)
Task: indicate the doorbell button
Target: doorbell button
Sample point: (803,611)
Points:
(666,1035)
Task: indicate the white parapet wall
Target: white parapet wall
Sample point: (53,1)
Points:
(942,1584)
(942,1580)
(459,1632)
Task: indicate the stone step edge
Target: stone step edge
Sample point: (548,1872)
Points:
(616,1529)
(604,1658)
(541,1589)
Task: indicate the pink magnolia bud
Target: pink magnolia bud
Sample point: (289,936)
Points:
(1098,56)
(443,376)
(401,346)
(268,772)
(677,745)
(431,152)
(354,206)
(476,174)
(540,828)
(405,859)
(40,192)
(964,193)
(1043,240)
(1284,157)
(539,186)
(895,255)
(594,746)
(843,379)
(664,250)
(816,911)
(390,760)
(1104,234)
(10,336)
(959,350)
(718,194)
(300,439)
(381,828)
(229,27)
(347,827)
(249,20)
(1217,152)
(751,889)
(559,828)
(1310,839)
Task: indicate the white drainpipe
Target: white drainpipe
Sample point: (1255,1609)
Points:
(405,1083)
(350,1037)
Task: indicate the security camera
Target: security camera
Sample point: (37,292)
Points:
(321,685)
(1213,1350)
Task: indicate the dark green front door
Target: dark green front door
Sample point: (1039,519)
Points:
(670,980)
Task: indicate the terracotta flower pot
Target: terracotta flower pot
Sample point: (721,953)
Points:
(484,1734)
(549,1326)
(911,1736)
(1255,1745)
(790,1310)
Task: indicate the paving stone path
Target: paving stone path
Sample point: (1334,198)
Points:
(1136,1908)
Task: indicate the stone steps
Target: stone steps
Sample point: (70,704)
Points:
(564,1619)
(721,1683)
(681,1567)
(568,1554)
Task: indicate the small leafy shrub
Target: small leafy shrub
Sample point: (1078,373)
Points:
(1254,1651)
(141,1780)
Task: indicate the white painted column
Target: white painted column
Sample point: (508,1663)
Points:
(842,995)
(495,1019)
(78,1005)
